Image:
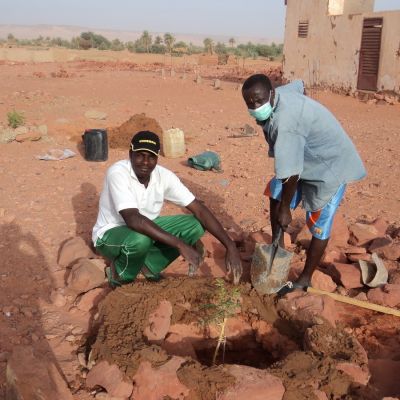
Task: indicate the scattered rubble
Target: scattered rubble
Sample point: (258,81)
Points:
(23,133)
(72,250)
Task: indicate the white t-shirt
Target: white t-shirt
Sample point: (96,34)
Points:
(123,190)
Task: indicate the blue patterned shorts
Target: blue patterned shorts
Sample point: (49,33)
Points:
(319,222)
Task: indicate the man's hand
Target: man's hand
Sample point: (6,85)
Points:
(284,216)
(234,264)
(192,257)
(289,186)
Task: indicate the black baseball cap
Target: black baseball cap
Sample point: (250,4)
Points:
(147,141)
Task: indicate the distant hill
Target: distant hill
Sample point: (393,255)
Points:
(67,32)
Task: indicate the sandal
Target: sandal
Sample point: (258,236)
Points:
(290,287)
(112,281)
(149,275)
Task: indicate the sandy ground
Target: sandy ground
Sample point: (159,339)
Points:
(43,203)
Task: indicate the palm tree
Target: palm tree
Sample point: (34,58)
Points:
(169,41)
(208,45)
(158,40)
(232,41)
(146,40)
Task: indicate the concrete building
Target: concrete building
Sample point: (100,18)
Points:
(342,44)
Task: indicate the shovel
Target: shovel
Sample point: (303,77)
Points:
(270,266)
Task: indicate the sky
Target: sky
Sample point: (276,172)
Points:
(235,18)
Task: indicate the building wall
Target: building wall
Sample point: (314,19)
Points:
(358,6)
(329,56)
(389,65)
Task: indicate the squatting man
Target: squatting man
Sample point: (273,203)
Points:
(130,231)
(314,160)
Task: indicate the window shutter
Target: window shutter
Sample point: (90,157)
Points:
(302,31)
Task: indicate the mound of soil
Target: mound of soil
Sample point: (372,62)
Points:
(120,138)
(124,316)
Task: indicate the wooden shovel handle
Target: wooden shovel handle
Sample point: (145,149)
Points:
(355,302)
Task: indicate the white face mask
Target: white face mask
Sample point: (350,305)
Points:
(263,112)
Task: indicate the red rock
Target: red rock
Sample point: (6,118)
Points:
(394,277)
(381,226)
(348,275)
(340,234)
(287,240)
(256,237)
(357,257)
(308,308)
(91,299)
(177,345)
(354,250)
(235,328)
(268,229)
(30,136)
(334,256)
(358,374)
(260,237)
(320,395)
(304,237)
(159,383)
(57,297)
(31,376)
(236,234)
(192,330)
(379,243)
(361,296)
(322,281)
(72,250)
(388,295)
(362,234)
(272,340)
(391,252)
(193,333)
(254,384)
(296,268)
(84,276)
(213,246)
(179,267)
(110,378)
(159,322)
(214,267)
(385,376)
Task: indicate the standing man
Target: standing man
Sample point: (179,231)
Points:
(129,230)
(314,161)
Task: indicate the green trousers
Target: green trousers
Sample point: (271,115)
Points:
(130,250)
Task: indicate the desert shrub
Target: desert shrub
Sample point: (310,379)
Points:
(220,48)
(15,119)
(117,45)
(224,305)
(158,49)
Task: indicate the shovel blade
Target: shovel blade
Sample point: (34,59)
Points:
(267,277)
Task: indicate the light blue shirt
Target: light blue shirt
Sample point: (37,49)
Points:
(307,140)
